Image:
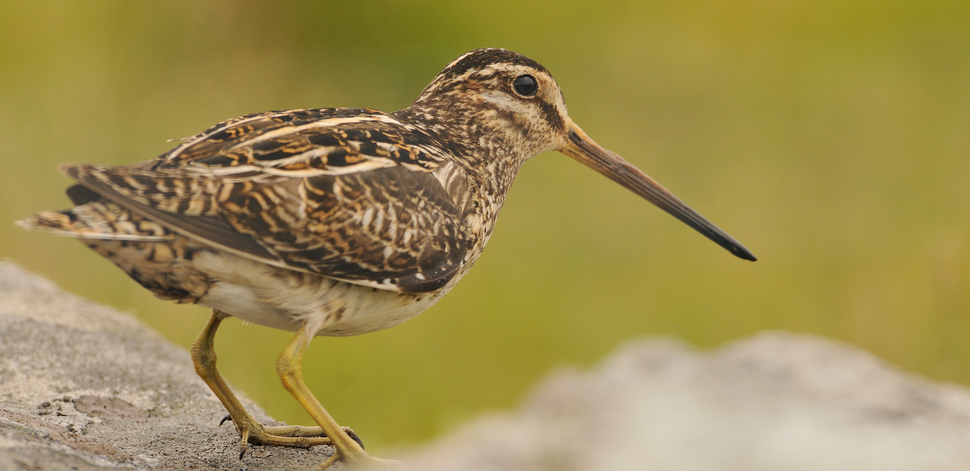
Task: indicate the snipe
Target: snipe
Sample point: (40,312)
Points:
(335,221)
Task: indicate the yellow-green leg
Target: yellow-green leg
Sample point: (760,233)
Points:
(347,450)
(251,431)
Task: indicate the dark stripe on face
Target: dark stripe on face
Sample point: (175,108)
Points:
(482,57)
(551,114)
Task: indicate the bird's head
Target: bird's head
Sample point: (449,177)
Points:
(501,100)
(511,106)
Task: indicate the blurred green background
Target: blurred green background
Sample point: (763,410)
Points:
(831,137)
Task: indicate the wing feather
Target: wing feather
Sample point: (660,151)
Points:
(347,194)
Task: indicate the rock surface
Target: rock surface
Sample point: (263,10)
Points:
(774,402)
(83,387)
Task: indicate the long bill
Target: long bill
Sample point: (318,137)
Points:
(582,148)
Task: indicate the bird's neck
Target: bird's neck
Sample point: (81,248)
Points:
(483,163)
(473,141)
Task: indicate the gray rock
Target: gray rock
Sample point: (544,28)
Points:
(774,402)
(83,387)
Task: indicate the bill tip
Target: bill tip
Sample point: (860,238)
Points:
(742,252)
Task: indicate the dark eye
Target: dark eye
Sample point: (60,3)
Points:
(525,85)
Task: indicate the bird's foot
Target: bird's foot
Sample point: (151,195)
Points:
(253,432)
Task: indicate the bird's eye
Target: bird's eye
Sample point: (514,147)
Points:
(525,85)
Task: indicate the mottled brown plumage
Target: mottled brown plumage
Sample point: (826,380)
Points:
(335,221)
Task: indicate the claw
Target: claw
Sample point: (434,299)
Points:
(227,418)
(351,434)
(243,443)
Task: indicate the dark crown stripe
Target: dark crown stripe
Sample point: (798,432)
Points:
(480,58)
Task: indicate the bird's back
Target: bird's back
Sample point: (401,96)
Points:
(344,193)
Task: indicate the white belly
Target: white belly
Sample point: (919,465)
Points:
(288,300)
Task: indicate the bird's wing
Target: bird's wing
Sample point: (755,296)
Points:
(346,194)
(305,142)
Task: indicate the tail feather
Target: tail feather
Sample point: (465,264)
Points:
(96,220)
